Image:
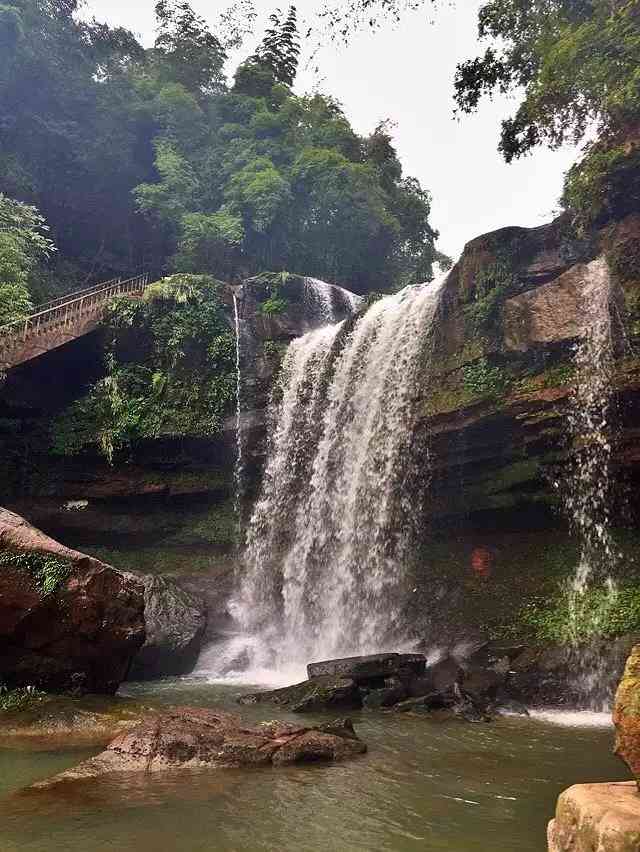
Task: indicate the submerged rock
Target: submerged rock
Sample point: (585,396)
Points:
(175,622)
(448,703)
(597,818)
(195,738)
(626,715)
(75,626)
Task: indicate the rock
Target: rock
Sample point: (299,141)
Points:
(505,706)
(626,714)
(482,684)
(195,738)
(373,666)
(444,674)
(175,622)
(320,693)
(393,691)
(84,631)
(597,818)
(549,314)
(552,675)
(452,700)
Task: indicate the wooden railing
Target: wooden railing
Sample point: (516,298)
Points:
(68,310)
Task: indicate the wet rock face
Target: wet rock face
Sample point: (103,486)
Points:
(193,738)
(321,693)
(602,817)
(82,634)
(512,310)
(626,715)
(175,622)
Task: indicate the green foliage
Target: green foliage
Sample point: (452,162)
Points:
(17,700)
(181,383)
(48,572)
(604,185)
(576,63)
(188,52)
(274,350)
(280,48)
(276,303)
(284,182)
(23,243)
(145,158)
(600,614)
(484,380)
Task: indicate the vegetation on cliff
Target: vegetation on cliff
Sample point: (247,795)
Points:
(170,371)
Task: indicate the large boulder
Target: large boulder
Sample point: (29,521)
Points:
(596,818)
(67,621)
(194,738)
(362,669)
(626,714)
(175,622)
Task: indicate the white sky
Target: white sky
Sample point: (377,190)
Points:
(406,73)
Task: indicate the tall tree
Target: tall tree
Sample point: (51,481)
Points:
(188,51)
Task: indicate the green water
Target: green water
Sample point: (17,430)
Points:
(423,786)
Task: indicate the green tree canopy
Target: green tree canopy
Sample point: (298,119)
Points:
(23,244)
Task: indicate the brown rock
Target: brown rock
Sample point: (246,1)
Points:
(194,738)
(84,633)
(596,818)
(626,714)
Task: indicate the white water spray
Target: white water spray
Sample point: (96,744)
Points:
(328,302)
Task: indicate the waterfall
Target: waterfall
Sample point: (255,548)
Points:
(329,540)
(328,302)
(239,462)
(587,492)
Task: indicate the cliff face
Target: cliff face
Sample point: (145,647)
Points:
(512,312)
(497,546)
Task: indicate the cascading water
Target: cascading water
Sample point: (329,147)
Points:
(587,491)
(328,301)
(329,540)
(239,463)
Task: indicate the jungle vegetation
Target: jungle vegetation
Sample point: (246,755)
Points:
(152,159)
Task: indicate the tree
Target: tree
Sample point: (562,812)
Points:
(573,63)
(23,244)
(576,61)
(187,51)
(280,48)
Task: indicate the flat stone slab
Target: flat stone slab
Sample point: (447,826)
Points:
(374,665)
(597,818)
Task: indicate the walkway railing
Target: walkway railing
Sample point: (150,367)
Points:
(68,310)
